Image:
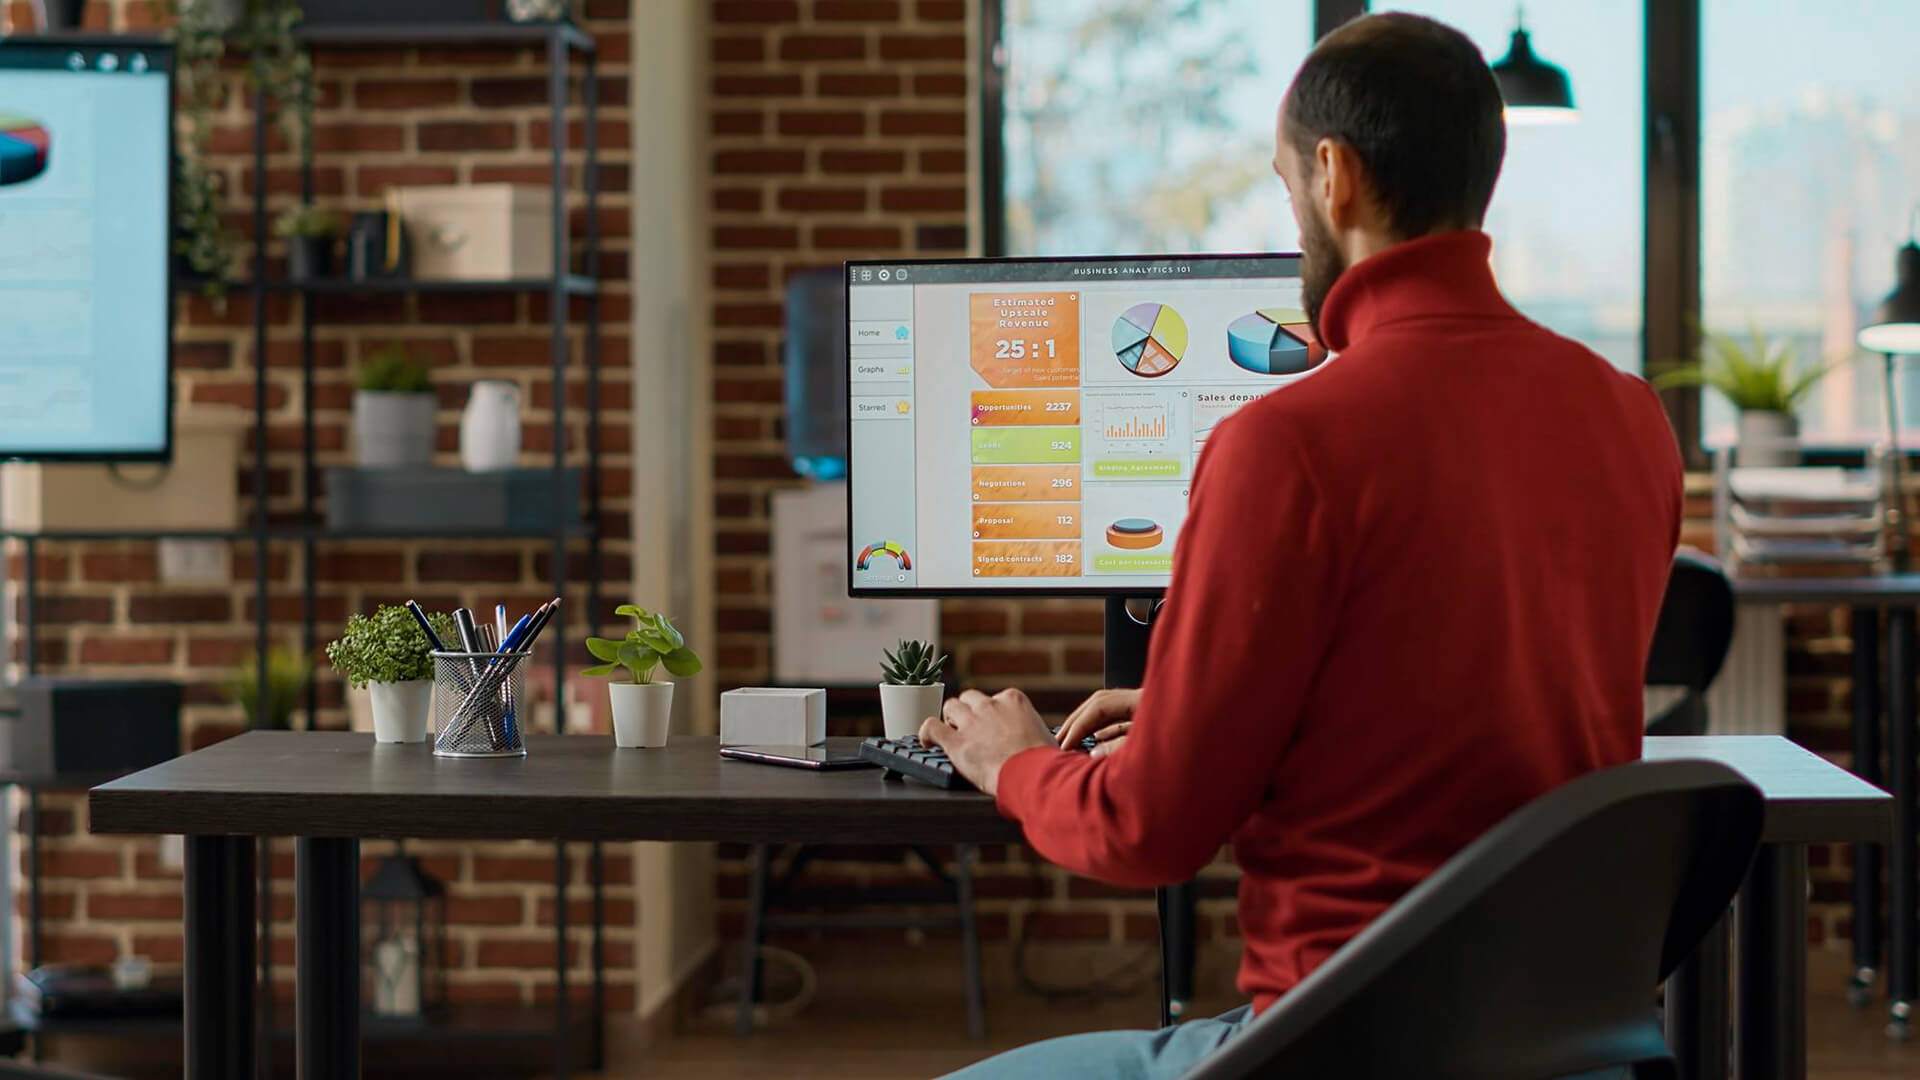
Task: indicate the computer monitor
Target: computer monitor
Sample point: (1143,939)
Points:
(1031,426)
(86,183)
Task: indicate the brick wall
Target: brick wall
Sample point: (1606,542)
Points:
(396,116)
(839,130)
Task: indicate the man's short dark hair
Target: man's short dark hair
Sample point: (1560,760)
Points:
(1417,103)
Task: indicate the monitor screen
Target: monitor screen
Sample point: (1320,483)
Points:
(85,312)
(1031,425)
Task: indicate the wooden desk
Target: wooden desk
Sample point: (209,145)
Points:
(329,789)
(1892,599)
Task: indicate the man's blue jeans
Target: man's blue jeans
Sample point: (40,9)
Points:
(1166,1054)
(1114,1055)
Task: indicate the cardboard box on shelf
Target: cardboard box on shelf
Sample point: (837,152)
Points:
(478,232)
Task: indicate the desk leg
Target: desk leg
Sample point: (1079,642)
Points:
(219,957)
(1176,906)
(1771,924)
(326,911)
(1866,765)
(1904,952)
(1698,1017)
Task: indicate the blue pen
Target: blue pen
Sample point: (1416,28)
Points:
(499,622)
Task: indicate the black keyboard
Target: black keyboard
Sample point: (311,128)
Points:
(906,757)
(927,764)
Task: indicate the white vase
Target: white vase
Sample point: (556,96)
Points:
(903,708)
(642,713)
(393,430)
(490,427)
(1768,439)
(400,710)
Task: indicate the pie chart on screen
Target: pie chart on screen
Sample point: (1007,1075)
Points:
(24,148)
(1274,341)
(1149,339)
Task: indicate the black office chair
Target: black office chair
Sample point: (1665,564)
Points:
(1533,953)
(1690,642)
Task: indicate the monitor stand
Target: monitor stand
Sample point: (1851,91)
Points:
(1129,624)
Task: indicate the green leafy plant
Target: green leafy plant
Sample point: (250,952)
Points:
(394,370)
(287,674)
(387,646)
(278,70)
(306,221)
(912,663)
(1761,374)
(198,32)
(653,642)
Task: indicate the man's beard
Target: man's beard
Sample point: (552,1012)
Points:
(1321,264)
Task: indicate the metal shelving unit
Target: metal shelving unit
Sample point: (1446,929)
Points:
(564,43)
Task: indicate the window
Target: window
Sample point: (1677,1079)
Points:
(1808,171)
(1145,126)
(1568,215)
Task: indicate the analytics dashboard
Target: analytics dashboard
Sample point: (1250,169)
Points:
(1033,424)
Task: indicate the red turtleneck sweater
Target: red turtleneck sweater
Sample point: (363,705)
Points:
(1414,591)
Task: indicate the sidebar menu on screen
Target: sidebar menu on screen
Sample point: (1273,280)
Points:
(880,371)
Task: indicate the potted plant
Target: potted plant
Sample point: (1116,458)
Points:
(393,411)
(1760,378)
(386,653)
(642,704)
(287,673)
(309,233)
(278,67)
(910,686)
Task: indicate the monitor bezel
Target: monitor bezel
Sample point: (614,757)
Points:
(163,454)
(1288,261)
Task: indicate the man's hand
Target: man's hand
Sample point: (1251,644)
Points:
(1106,716)
(979,733)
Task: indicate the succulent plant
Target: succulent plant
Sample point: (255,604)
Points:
(912,663)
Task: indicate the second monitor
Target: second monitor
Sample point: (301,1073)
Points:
(1032,425)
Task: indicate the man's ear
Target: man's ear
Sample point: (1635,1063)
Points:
(1339,169)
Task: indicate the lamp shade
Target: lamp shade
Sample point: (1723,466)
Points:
(1535,91)
(1895,324)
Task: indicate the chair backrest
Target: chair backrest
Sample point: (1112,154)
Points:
(1533,953)
(1690,641)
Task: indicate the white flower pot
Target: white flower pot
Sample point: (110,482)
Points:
(903,708)
(1768,439)
(642,713)
(400,710)
(393,430)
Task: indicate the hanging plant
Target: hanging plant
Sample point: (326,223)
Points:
(201,238)
(278,69)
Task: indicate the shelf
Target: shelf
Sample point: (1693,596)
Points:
(574,284)
(305,532)
(25,1019)
(405,35)
(503,1038)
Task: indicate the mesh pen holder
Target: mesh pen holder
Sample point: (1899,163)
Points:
(479,704)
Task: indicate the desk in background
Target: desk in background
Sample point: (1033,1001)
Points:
(1892,598)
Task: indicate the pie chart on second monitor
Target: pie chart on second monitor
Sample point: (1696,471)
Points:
(1149,339)
(24,148)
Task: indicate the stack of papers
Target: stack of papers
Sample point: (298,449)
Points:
(1787,516)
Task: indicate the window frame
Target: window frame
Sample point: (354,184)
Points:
(1670,260)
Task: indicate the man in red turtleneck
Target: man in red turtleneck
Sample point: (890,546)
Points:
(1414,591)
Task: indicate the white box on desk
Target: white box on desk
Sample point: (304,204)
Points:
(773,716)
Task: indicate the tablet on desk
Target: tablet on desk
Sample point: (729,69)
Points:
(838,752)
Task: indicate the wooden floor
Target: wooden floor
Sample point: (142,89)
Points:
(899,1014)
